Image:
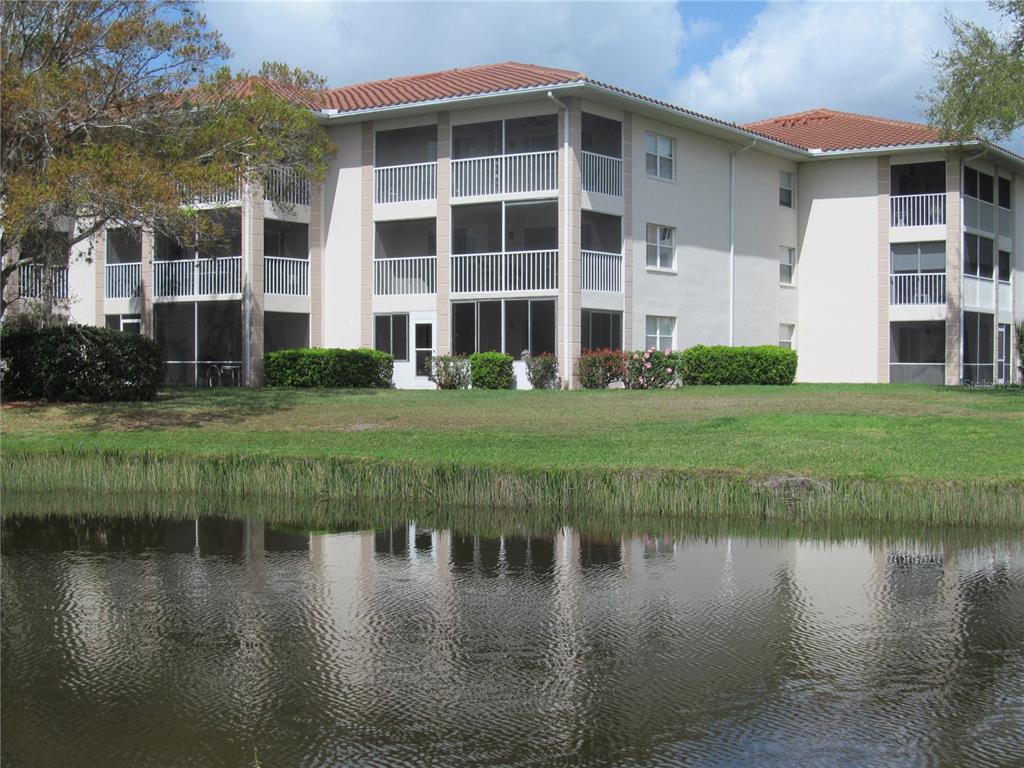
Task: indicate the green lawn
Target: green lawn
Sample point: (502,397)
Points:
(872,432)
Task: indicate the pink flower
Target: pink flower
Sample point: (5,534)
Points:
(667,351)
(647,365)
(668,370)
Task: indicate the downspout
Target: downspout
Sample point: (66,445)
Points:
(566,374)
(732,239)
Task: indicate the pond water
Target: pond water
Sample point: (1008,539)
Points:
(157,642)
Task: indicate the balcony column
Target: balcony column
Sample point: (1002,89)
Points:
(884,257)
(954,242)
(442,324)
(627,230)
(252,285)
(99,256)
(366,234)
(146,282)
(571,282)
(316,283)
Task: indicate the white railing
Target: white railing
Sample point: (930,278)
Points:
(918,210)
(405,183)
(197,277)
(231,195)
(504,272)
(979,293)
(602,173)
(405,275)
(602,271)
(285,276)
(917,288)
(505,174)
(32,280)
(122,281)
(285,185)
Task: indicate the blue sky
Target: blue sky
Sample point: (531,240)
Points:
(734,60)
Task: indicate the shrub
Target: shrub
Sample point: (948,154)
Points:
(650,369)
(490,370)
(738,365)
(597,369)
(363,368)
(542,371)
(79,362)
(449,371)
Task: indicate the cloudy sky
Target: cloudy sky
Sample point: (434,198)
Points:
(734,60)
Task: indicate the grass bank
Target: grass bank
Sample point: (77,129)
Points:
(874,453)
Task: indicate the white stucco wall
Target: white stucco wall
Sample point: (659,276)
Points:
(837,318)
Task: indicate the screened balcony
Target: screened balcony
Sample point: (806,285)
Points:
(405,165)
(122,272)
(285,258)
(214,270)
(918,195)
(405,257)
(918,275)
(505,157)
(601,157)
(601,238)
(917,353)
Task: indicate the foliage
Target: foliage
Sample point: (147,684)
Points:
(650,369)
(542,371)
(979,88)
(737,365)
(450,371)
(597,369)
(78,362)
(490,370)
(115,111)
(360,368)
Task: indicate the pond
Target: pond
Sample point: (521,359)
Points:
(210,641)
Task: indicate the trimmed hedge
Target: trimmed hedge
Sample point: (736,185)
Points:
(361,368)
(737,365)
(78,362)
(490,370)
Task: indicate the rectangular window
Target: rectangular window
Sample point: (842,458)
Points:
(786,333)
(970,182)
(986,188)
(1004,193)
(517,327)
(391,335)
(786,196)
(542,327)
(601,330)
(660,156)
(787,265)
(660,332)
(424,347)
(918,257)
(529,326)
(661,251)
(979,256)
(1004,266)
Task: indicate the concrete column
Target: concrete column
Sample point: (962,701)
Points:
(954,242)
(146,287)
(442,333)
(882,295)
(252,286)
(366,247)
(99,256)
(316,277)
(627,230)
(570,194)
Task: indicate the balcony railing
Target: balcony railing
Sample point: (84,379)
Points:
(917,288)
(122,281)
(226,196)
(505,174)
(33,278)
(197,277)
(978,292)
(405,183)
(918,210)
(284,184)
(602,271)
(602,173)
(405,275)
(521,271)
(285,276)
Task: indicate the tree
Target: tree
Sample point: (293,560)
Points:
(979,90)
(120,111)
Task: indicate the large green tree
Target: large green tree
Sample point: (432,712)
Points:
(979,89)
(120,111)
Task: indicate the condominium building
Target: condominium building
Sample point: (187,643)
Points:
(526,209)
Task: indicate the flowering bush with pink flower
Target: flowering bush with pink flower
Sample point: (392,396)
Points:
(650,369)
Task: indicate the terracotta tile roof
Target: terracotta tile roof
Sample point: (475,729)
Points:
(468,81)
(828,129)
(244,87)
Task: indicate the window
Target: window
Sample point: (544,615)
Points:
(601,330)
(513,326)
(424,347)
(918,257)
(131,324)
(979,185)
(786,332)
(660,156)
(661,251)
(1004,266)
(1004,193)
(978,256)
(391,335)
(787,265)
(660,332)
(786,189)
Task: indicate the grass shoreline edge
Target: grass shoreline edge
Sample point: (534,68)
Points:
(572,492)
